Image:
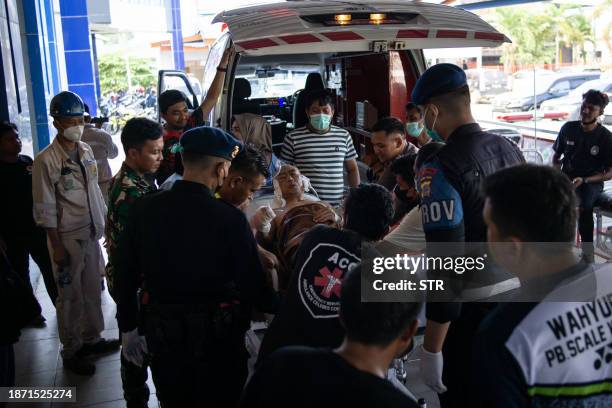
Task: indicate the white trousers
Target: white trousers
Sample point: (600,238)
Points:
(78,306)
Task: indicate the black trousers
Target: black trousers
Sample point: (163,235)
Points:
(20,246)
(134,382)
(7,367)
(457,354)
(133,378)
(189,368)
(588,194)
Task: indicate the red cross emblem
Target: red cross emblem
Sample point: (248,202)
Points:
(330,281)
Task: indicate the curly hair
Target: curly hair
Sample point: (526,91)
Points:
(368,210)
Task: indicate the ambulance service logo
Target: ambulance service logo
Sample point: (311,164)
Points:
(320,279)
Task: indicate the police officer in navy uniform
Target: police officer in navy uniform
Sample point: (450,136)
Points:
(583,151)
(451,209)
(199,286)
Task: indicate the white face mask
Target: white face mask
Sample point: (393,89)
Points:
(74,133)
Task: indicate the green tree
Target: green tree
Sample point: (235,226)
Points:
(532,36)
(575,31)
(535,35)
(113,70)
(604,9)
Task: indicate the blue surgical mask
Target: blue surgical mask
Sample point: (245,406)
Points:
(414,129)
(320,122)
(431,130)
(435,136)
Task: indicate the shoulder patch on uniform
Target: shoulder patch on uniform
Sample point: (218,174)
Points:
(441,206)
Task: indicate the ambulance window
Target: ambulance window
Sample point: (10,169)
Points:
(274,82)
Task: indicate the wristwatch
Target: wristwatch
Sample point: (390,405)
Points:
(222,69)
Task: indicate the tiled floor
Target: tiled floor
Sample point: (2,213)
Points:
(38,363)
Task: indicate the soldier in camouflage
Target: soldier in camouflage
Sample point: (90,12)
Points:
(142,142)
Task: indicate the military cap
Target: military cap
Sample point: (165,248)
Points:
(438,80)
(210,141)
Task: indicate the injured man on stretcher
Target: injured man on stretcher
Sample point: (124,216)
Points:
(283,221)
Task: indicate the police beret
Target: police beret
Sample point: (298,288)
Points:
(210,141)
(437,80)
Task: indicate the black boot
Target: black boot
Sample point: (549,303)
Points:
(79,366)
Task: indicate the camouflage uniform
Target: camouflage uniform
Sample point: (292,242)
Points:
(125,188)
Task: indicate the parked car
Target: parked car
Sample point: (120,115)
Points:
(516,80)
(570,104)
(607,120)
(486,83)
(511,134)
(542,89)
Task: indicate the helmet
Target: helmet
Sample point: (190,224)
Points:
(66,104)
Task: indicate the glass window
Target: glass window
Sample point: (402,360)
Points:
(276,83)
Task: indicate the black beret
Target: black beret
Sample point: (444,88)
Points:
(438,80)
(210,141)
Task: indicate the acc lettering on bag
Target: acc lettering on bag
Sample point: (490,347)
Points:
(320,279)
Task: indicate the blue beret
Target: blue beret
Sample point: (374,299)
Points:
(437,80)
(210,141)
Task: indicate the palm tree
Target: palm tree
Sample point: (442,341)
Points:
(574,32)
(600,10)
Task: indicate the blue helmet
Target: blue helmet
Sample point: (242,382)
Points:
(66,104)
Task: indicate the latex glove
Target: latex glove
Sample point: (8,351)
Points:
(431,370)
(262,219)
(133,347)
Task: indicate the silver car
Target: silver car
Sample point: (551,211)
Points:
(570,104)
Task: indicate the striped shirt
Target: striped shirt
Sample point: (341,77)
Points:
(321,158)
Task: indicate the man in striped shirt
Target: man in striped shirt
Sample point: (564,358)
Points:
(322,151)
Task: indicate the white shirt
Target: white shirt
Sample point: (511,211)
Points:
(64,197)
(103,148)
(409,234)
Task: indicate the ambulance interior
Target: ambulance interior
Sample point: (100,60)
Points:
(366,87)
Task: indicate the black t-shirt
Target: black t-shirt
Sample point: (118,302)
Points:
(16,205)
(306,377)
(584,153)
(309,313)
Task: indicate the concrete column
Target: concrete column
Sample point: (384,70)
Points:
(32,18)
(77,51)
(53,71)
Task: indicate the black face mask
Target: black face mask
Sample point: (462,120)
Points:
(402,195)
